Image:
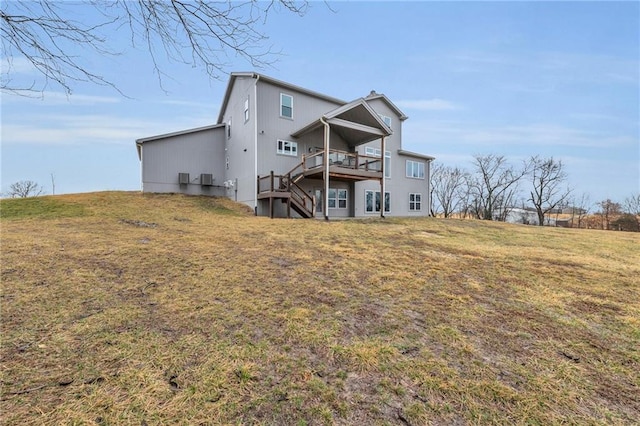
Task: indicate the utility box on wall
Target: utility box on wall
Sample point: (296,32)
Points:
(183,178)
(206,179)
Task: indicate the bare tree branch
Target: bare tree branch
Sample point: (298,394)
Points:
(50,36)
(494,186)
(449,188)
(548,191)
(24,189)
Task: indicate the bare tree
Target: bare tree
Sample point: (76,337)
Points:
(632,204)
(53,36)
(24,189)
(548,191)
(580,208)
(494,187)
(608,210)
(448,187)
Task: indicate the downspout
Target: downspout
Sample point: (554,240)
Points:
(255,146)
(383,181)
(325,172)
(141,167)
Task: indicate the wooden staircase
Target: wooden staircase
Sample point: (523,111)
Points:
(285,187)
(342,165)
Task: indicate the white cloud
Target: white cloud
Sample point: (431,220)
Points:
(17,65)
(49,98)
(427,105)
(478,135)
(77,129)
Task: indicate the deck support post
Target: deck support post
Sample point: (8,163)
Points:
(383,179)
(325,172)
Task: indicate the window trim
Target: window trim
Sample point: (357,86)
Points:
(246,109)
(281,148)
(282,95)
(386,119)
(420,165)
(375,152)
(337,199)
(417,202)
(376,194)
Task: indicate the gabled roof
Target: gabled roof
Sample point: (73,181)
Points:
(234,75)
(356,122)
(373,95)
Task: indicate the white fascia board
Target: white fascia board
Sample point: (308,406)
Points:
(416,155)
(274,82)
(391,105)
(178,133)
(360,102)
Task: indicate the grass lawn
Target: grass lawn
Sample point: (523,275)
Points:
(123,308)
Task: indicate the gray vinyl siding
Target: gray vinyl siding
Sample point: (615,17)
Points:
(252,150)
(240,146)
(193,153)
(271,126)
(397,184)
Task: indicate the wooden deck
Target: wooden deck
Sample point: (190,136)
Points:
(340,172)
(343,166)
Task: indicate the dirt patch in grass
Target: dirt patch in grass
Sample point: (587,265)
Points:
(214,316)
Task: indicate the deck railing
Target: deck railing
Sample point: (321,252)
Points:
(286,184)
(343,159)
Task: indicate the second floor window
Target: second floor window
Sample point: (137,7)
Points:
(246,109)
(415,169)
(287,148)
(387,120)
(286,105)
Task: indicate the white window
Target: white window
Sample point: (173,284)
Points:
(375,152)
(415,202)
(287,148)
(286,105)
(229,128)
(337,198)
(415,169)
(246,109)
(372,201)
(387,120)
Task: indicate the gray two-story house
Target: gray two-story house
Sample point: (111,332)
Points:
(290,152)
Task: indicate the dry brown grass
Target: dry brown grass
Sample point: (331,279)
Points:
(122,308)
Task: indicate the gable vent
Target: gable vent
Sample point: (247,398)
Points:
(206,179)
(183,178)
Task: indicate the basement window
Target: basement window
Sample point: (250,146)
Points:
(337,198)
(415,202)
(372,201)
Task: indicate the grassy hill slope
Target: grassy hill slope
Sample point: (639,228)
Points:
(123,308)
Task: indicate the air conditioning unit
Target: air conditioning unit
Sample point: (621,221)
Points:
(206,179)
(183,178)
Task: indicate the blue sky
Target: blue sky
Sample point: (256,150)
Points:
(508,78)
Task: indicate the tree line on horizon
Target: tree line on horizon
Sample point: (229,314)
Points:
(495,189)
